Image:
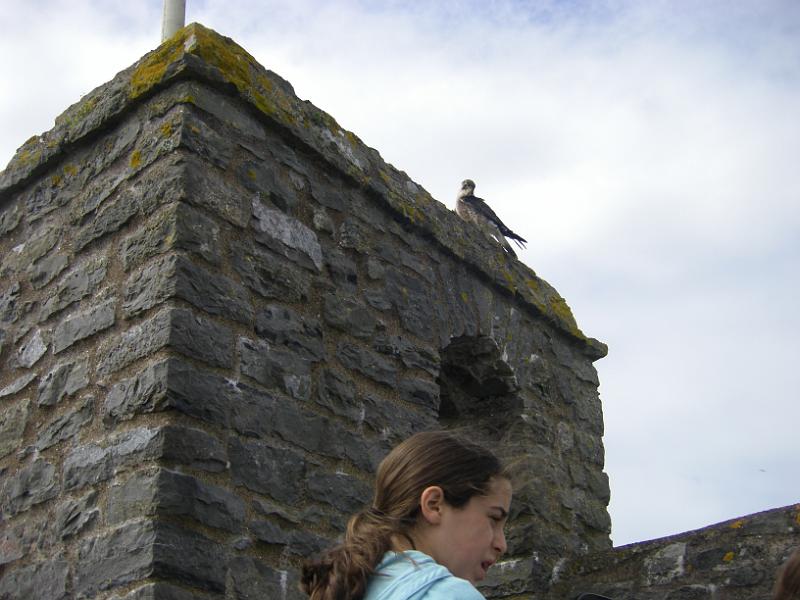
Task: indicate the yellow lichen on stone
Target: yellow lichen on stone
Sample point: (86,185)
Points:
(166,129)
(737,524)
(153,67)
(136,159)
(728,557)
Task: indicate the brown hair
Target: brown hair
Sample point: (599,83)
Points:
(461,468)
(788,585)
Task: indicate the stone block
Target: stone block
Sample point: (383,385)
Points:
(81,281)
(345,493)
(37,243)
(45,580)
(412,356)
(84,324)
(286,236)
(266,469)
(338,395)
(252,578)
(9,304)
(45,270)
(174,276)
(368,363)
(207,187)
(115,558)
(164,591)
(32,350)
(342,269)
(171,384)
(116,206)
(194,448)
(65,426)
(276,367)
(162,492)
(62,381)
(92,463)
(349,315)
(13,419)
(177,328)
(31,485)
(270,275)
(282,326)
(19,384)
(76,515)
(179,226)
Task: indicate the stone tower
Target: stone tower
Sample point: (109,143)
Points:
(219,310)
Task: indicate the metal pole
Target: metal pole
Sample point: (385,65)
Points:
(174,18)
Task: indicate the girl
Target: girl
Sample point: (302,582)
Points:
(434,528)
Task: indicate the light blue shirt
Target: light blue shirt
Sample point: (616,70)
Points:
(412,575)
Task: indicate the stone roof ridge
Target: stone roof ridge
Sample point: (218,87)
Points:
(201,53)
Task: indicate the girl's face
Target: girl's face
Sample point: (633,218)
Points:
(470,539)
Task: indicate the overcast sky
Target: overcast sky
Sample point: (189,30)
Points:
(649,151)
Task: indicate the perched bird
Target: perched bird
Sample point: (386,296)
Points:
(474,209)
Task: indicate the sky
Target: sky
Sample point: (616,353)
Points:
(649,151)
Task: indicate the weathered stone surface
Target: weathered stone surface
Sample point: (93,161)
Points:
(276,367)
(82,280)
(17,385)
(342,491)
(175,276)
(32,350)
(338,395)
(421,392)
(178,226)
(368,363)
(10,217)
(163,492)
(286,236)
(252,578)
(31,485)
(13,420)
(137,342)
(9,304)
(171,384)
(83,325)
(282,326)
(194,448)
(66,426)
(411,355)
(76,515)
(44,271)
(349,315)
(205,186)
(257,414)
(35,246)
(342,269)
(177,328)
(266,469)
(270,275)
(121,556)
(165,591)
(62,381)
(92,463)
(296,542)
(44,581)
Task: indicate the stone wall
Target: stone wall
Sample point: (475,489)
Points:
(219,310)
(735,560)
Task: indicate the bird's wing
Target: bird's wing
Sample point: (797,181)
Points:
(483,209)
(479,206)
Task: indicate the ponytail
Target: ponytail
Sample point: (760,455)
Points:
(461,468)
(342,572)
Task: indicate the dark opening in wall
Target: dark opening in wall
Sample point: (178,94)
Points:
(478,388)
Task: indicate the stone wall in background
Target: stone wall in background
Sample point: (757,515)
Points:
(219,311)
(735,560)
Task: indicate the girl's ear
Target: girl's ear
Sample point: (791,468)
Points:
(431,503)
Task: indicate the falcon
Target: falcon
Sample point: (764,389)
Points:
(471,208)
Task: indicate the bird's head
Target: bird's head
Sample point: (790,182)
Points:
(467,187)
